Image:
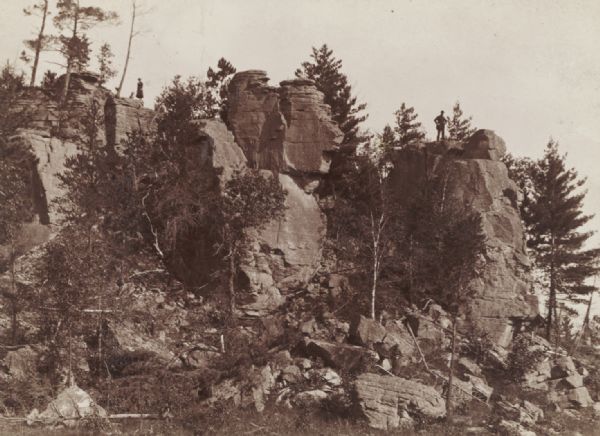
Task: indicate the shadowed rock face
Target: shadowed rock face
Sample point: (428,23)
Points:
(123,116)
(287,129)
(477,179)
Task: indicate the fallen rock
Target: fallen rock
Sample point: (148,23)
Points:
(71,405)
(292,374)
(21,364)
(367,332)
(467,366)
(340,356)
(328,375)
(563,367)
(382,397)
(310,398)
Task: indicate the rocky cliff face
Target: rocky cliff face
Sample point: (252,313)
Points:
(478,180)
(287,130)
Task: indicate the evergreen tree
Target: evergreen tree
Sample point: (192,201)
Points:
(459,127)
(217,84)
(40,43)
(49,81)
(15,196)
(407,129)
(326,72)
(74,45)
(555,219)
(105,63)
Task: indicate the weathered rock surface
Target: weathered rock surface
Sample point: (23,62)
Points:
(123,116)
(340,356)
(287,129)
(71,405)
(478,180)
(381,398)
(485,144)
(49,155)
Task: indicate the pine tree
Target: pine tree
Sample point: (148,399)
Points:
(74,45)
(217,88)
(325,70)
(459,128)
(555,219)
(105,63)
(407,129)
(15,196)
(40,43)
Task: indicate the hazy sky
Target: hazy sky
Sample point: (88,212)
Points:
(526,69)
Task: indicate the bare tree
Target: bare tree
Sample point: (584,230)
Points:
(36,45)
(136,12)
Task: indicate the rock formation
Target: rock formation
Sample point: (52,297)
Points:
(477,179)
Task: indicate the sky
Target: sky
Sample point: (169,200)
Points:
(528,69)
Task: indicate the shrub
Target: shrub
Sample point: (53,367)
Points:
(523,356)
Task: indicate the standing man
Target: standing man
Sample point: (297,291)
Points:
(140,90)
(440,125)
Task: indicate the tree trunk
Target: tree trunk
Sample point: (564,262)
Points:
(38,45)
(65,90)
(449,405)
(127,56)
(13,299)
(374,289)
(584,325)
(232,282)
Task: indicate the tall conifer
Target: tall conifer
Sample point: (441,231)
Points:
(555,219)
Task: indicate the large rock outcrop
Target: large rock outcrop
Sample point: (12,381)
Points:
(123,116)
(288,131)
(383,398)
(477,179)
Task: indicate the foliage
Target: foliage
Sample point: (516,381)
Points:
(49,81)
(367,218)
(74,45)
(250,200)
(216,85)
(325,70)
(477,346)
(522,357)
(105,63)
(407,129)
(179,104)
(15,195)
(459,127)
(554,218)
(11,116)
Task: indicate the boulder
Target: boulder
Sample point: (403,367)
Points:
(340,356)
(21,364)
(484,144)
(310,398)
(71,405)
(563,367)
(381,398)
(467,366)
(367,332)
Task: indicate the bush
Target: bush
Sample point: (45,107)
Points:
(478,345)
(523,356)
